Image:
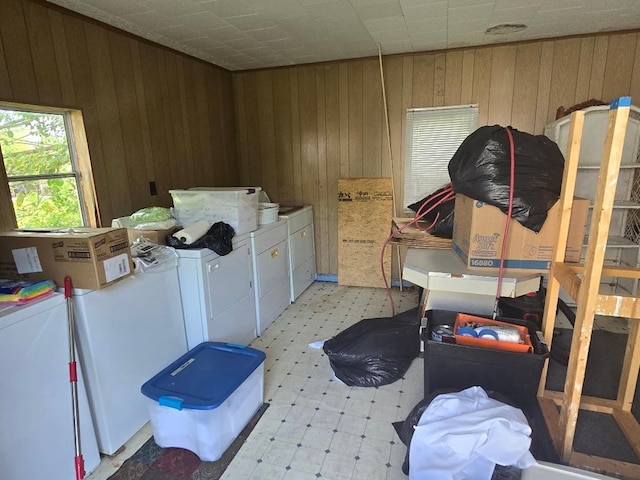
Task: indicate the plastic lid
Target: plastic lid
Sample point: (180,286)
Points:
(204,377)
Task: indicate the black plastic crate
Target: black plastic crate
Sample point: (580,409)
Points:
(515,375)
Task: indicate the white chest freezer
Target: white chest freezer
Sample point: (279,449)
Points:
(127,332)
(36,412)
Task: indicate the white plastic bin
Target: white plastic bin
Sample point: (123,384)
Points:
(203,400)
(267,213)
(237,206)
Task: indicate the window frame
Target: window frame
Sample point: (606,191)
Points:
(80,161)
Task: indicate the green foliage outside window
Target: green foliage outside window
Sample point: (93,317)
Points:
(35,144)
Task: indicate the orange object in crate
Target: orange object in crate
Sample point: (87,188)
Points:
(465,320)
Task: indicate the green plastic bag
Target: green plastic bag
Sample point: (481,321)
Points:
(151,214)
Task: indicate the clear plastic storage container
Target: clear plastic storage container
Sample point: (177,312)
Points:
(237,206)
(203,400)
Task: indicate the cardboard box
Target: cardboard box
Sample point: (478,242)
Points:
(156,236)
(93,257)
(479,229)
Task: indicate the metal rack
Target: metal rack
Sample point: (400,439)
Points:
(623,244)
(582,283)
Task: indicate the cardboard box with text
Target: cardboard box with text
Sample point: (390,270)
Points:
(478,232)
(94,258)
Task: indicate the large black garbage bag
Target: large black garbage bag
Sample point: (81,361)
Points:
(481,169)
(405,429)
(218,238)
(439,212)
(375,351)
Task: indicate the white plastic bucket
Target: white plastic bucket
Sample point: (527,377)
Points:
(267,213)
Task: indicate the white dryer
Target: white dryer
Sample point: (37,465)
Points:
(218,294)
(270,272)
(302,250)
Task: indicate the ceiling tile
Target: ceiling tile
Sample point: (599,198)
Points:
(203,21)
(439,9)
(119,7)
(380,10)
(271,33)
(426,26)
(466,27)
(152,21)
(179,32)
(227,33)
(250,22)
(396,46)
(173,8)
(315,2)
(506,4)
(201,43)
(434,36)
(513,15)
(466,14)
(231,8)
(381,24)
(365,3)
(390,35)
(417,3)
(545,16)
(468,3)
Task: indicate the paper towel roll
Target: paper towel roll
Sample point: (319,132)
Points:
(192,232)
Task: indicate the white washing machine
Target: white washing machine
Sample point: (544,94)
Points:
(127,333)
(218,294)
(36,409)
(270,272)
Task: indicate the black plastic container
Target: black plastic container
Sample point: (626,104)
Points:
(515,375)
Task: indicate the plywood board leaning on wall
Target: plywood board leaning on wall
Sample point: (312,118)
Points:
(365,208)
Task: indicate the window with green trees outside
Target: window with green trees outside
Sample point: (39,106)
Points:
(41,168)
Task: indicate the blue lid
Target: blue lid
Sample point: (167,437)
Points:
(204,377)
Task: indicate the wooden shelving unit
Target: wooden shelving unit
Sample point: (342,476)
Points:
(582,281)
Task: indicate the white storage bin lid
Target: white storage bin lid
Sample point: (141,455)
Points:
(247,190)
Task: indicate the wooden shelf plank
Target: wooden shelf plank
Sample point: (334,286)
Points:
(592,404)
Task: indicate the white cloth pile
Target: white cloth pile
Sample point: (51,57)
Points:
(463,435)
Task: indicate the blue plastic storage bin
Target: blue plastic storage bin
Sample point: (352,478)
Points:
(203,400)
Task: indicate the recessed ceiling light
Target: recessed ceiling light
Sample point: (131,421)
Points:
(505,28)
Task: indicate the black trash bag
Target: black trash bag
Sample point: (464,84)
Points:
(405,431)
(481,169)
(375,351)
(218,238)
(443,211)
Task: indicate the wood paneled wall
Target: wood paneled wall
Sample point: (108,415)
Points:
(299,129)
(150,114)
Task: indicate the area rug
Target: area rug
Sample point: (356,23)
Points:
(151,462)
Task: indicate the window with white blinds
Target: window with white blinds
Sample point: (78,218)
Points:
(433,136)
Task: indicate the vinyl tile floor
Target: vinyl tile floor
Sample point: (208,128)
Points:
(317,427)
